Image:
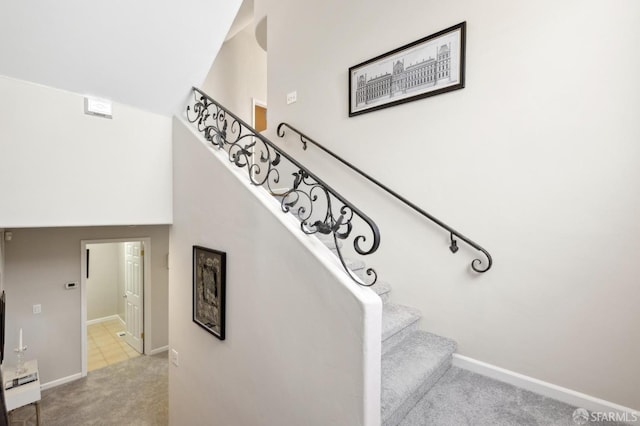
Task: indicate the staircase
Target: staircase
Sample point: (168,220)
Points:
(412,360)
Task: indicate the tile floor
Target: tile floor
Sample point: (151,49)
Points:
(105,346)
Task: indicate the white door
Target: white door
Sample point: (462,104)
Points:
(133,285)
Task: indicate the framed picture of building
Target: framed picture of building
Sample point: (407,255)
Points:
(427,67)
(209,270)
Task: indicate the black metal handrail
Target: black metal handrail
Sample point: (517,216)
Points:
(475,264)
(320,208)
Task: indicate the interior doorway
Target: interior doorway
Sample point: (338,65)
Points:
(114,276)
(259,113)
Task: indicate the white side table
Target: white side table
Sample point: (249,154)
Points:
(20,396)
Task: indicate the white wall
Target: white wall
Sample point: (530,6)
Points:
(302,341)
(61,167)
(39,261)
(238,74)
(102,284)
(536,159)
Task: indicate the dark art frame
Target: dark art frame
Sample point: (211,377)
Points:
(205,298)
(420,93)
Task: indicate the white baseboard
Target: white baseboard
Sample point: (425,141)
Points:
(549,390)
(104,319)
(62,381)
(159,350)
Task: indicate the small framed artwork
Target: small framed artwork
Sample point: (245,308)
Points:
(427,67)
(209,270)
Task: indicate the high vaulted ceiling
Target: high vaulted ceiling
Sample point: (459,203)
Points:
(143,53)
(244,17)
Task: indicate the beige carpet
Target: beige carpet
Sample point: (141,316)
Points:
(133,392)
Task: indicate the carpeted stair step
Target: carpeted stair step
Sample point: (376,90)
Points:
(409,370)
(362,274)
(328,241)
(354,265)
(382,289)
(397,323)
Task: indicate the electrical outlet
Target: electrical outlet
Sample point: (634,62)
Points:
(292,97)
(37,308)
(174,357)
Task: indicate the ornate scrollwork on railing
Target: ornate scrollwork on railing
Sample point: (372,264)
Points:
(476,264)
(319,207)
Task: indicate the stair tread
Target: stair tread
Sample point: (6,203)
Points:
(354,265)
(413,365)
(327,240)
(381,287)
(397,317)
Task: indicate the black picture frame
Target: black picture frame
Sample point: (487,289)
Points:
(209,290)
(436,65)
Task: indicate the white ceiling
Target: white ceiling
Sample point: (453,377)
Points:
(143,53)
(243,18)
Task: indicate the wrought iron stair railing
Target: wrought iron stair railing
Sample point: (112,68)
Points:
(477,264)
(320,208)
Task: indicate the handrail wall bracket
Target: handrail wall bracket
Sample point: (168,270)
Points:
(477,264)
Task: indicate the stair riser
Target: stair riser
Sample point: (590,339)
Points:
(331,244)
(382,289)
(395,418)
(354,265)
(362,274)
(391,341)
